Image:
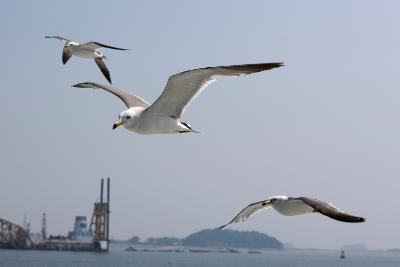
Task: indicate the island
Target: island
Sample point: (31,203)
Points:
(214,238)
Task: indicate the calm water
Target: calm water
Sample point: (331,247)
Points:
(117,257)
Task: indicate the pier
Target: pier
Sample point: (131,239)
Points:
(13,236)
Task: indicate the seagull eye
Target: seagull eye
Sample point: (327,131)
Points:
(128,117)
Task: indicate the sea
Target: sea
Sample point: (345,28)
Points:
(118,257)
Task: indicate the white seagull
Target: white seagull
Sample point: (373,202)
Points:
(88,50)
(162,117)
(290,206)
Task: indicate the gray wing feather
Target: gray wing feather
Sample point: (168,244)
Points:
(97,45)
(331,211)
(245,213)
(103,68)
(58,37)
(109,46)
(183,87)
(130,100)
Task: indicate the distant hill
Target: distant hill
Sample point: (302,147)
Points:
(214,238)
(397,250)
(355,248)
(231,238)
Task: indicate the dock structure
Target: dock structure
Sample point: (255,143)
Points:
(13,236)
(100,222)
(44,226)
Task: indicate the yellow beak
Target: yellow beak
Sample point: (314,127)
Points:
(117,123)
(265,203)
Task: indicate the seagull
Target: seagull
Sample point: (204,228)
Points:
(88,50)
(163,116)
(290,206)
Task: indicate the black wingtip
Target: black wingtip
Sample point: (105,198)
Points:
(84,85)
(273,64)
(355,220)
(361,219)
(78,85)
(276,64)
(111,47)
(103,68)
(256,67)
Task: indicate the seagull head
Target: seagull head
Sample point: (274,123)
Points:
(274,198)
(71,43)
(126,118)
(271,200)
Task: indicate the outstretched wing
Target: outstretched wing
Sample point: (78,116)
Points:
(59,38)
(67,54)
(183,87)
(130,100)
(103,68)
(247,212)
(97,45)
(331,211)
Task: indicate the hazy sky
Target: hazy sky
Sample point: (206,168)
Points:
(326,125)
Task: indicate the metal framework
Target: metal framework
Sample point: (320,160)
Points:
(13,236)
(16,237)
(44,227)
(100,221)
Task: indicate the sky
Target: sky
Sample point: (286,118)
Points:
(326,125)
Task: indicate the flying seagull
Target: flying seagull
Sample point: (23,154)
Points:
(162,117)
(290,206)
(88,50)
